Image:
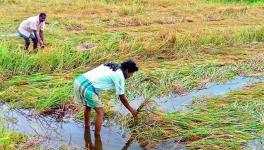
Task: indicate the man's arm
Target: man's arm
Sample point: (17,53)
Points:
(41,40)
(126,104)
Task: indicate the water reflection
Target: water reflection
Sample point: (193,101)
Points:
(88,140)
(55,132)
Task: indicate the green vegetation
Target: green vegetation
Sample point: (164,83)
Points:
(9,140)
(44,92)
(179,45)
(31,92)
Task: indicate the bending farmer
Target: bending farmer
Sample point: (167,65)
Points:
(105,77)
(28,30)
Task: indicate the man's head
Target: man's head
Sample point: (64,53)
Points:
(129,67)
(42,17)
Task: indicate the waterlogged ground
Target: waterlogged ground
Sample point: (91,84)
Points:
(56,131)
(62,130)
(188,48)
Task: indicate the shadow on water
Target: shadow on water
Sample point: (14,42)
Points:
(64,130)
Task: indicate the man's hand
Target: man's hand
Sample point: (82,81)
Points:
(41,43)
(126,104)
(41,38)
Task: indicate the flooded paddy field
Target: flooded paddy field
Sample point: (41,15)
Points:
(201,69)
(60,129)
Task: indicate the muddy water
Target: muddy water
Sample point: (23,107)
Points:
(53,133)
(175,102)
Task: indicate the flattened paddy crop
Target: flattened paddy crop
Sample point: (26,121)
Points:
(225,122)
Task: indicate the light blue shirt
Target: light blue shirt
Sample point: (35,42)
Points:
(103,78)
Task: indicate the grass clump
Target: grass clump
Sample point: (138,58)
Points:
(9,140)
(39,91)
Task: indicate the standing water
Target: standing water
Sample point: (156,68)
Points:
(55,133)
(175,102)
(257,144)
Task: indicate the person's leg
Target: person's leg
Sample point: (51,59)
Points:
(99,119)
(98,143)
(35,42)
(26,39)
(87,138)
(27,43)
(87,112)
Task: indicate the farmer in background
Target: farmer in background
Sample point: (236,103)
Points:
(89,85)
(28,30)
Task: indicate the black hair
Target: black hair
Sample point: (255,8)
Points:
(129,65)
(42,14)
